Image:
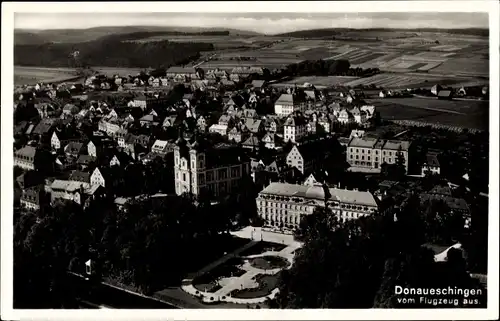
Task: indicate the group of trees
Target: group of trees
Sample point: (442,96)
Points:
(357,264)
(109,51)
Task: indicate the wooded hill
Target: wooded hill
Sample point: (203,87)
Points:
(111,51)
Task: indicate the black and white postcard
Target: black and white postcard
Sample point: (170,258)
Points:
(250,160)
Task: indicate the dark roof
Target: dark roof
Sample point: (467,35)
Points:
(44,126)
(27,151)
(86,159)
(80,176)
(73,147)
(432,160)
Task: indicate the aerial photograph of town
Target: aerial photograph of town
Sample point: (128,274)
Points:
(238,161)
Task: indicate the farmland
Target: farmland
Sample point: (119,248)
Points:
(32,75)
(467,114)
(123,72)
(326,81)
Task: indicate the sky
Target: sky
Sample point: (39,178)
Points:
(268,23)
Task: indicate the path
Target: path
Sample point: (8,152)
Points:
(222,260)
(247,280)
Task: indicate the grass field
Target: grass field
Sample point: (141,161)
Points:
(467,114)
(321,80)
(32,75)
(110,71)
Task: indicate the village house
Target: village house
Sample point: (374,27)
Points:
(169,121)
(98,177)
(161,147)
(73,149)
(32,198)
(345,117)
(295,128)
(431,165)
(269,141)
(235,134)
(288,104)
(62,138)
(81,177)
(219,129)
(201,124)
(70,110)
(84,161)
(26,158)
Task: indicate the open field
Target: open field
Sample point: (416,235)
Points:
(413,80)
(327,81)
(467,114)
(32,75)
(111,71)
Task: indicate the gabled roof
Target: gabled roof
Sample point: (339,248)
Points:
(80,176)
(26,151)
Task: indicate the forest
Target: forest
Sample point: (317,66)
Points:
(109,51)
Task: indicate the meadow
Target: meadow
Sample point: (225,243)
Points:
(31,75)
(466,114)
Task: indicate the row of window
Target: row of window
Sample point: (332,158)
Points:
(26,158)
(295,207)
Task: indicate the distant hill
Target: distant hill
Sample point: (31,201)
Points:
(110,51)
(37,37)
(333,32)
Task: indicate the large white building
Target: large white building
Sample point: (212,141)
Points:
(371,153)
(284,205)
(295,128)
(216,170)
(287,104)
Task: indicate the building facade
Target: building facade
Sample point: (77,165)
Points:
(285,205)
(216,170)
(371,153)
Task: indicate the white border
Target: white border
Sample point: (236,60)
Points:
(8,9)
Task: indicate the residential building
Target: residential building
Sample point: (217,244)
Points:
(32,198)
(218,128)
(97,177)
(82,177)
(285,205)
(62,138)
(431,165)
(295,128)
(26,157)
(73,149)
(161,147)
(287,104)
(201,168)
(345,117)
(371,153)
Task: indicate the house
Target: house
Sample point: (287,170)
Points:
(149,120)
(235,134)
(345,117)
(436,89)
(359,115)
(98,177)
(295,128)
(462,92)
(26,158)
(70,109)
(84,161)
(62,138)
(73,149)
(46,110)
(143,140)
(251,142)
(181,72)
(445,94)
(269,141)
(254,126)
(371,153)
(29,179)
(44,127)
(82,177)
(287,104)
(431,165)
(258,84)
(97,145)
(169,121)
(33,197)
(161,147)
(270,125)
(357,133)
(119,159)
(201,123)
(219,129)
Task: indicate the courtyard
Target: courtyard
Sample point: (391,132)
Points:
(250,274)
